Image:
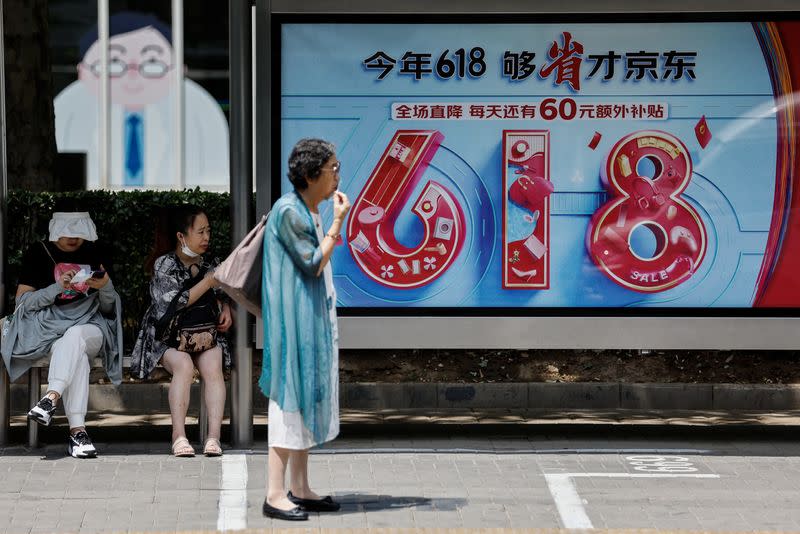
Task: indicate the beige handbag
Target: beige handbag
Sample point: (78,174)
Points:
(240,274)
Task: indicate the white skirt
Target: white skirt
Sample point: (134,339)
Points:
(287,431)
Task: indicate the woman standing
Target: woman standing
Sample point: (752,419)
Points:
(184,326)
(300,372)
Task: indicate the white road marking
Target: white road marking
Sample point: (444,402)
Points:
(569,503)
(641,475)
(661,464)
(233,493)
(489,450)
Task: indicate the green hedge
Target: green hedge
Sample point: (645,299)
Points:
(125,224)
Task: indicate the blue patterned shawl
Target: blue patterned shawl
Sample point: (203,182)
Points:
(298,346)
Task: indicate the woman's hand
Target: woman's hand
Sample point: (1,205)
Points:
(208,283)
(225,319)
(210,280)
(341,205)
(65,281)
(97,283)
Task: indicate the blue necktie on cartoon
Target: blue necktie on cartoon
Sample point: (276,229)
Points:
(134,162)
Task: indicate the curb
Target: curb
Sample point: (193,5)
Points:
(152,398)
(577,396)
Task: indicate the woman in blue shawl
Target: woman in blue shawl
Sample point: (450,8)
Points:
(300,372)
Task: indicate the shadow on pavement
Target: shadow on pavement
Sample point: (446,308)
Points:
(360,502)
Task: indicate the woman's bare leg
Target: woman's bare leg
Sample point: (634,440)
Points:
(298,476)
(276,478)
(181,367)
(209,363)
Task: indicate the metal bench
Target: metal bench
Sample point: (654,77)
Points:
(35,393)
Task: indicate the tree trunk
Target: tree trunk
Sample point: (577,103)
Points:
(30,120)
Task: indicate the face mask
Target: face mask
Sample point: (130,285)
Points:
(187,251)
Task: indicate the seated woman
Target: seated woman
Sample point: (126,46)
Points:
(67,308)
(185,324)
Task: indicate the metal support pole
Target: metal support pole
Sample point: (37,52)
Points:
(179,135)
(5,387)
(241,148)
(202,417)
(263,114)
(105,95)
(34,394)
(5,405)
(263,108)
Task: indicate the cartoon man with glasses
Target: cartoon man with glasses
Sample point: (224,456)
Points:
(142,151)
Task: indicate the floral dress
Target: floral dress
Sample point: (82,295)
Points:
(169,276)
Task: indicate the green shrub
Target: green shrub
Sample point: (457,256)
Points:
(125,224)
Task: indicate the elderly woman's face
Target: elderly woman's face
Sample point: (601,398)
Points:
(327,182)
(198,237)
(69,244)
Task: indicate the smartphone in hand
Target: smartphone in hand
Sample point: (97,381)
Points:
(98,274)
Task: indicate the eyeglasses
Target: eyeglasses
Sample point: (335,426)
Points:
(335,168)
(151,68)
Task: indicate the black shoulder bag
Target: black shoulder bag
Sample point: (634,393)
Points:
(194,328)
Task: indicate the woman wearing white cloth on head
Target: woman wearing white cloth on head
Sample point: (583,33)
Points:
(67,308)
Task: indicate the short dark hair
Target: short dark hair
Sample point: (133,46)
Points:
(125,22)
(169,221)
(306,160)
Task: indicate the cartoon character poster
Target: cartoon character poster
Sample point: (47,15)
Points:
(555,165)
(142,148)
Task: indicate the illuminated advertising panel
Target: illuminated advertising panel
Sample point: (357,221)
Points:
(558,165)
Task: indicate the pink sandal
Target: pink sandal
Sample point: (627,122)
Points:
(212,447)
(181,448)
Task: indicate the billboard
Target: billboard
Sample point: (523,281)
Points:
(557,165)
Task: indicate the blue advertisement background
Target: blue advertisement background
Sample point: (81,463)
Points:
(326,92)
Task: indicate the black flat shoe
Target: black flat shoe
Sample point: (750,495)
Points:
(326,504)
(295,514)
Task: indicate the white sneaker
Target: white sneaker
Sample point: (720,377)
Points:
(80,445)
(43,412)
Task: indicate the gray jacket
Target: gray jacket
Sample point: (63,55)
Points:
(37,323)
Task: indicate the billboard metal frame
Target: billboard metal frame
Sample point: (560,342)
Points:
(583,328)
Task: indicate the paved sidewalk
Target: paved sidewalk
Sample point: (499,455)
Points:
(553,476)
(497,484)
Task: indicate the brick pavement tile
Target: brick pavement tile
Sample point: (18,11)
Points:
(24,511)
(139,523)
(20,526)
(71,511)
(354,519)
(165,524)
(380,518)
(486,523)
(439,521)
(47,513)
(469,488)
(42,526)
